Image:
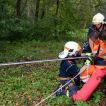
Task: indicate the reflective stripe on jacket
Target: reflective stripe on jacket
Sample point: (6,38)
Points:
(101,56)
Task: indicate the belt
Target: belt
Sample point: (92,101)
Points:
(64,78)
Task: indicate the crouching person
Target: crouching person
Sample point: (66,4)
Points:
(68,70)
(98,47)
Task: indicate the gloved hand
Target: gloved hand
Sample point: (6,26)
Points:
(88,54)
(90,58)
(87,62)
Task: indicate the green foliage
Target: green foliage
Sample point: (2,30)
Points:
(3,9)
(28,84)
(60,101)
(12,29)
(25,38)
(81,103)
(19,29)
(54,20)
(96,97)
(78,35)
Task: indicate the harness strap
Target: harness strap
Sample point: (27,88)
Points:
(99,60)
(98,51)
(95,56)
(65,78)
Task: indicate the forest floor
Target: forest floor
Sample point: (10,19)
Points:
(27,85)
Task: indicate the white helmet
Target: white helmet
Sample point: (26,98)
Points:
(98,18)
(70,48)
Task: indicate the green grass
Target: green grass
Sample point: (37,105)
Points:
(27,85)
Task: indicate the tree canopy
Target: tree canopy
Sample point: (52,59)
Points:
(35,19)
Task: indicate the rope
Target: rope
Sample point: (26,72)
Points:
(43,100)
(39,61)
(49,60)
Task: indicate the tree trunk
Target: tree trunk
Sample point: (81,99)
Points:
(3,9)
(37,9)
(55,19)
(18,8)
(43,10)
(57,5)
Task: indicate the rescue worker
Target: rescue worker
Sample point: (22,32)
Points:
(98,24)
(98,47)
(68,69)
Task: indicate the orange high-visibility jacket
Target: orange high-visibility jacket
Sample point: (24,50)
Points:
(100,71)
(102,50)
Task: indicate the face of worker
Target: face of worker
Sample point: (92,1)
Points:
(98,25)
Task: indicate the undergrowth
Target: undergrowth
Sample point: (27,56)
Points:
(27,85)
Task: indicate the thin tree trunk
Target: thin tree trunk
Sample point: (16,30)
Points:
(57,4)
(3,9)
(37,9)
(55,19)
(43,10)
(18,8)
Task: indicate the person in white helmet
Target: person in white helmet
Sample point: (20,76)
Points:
(97,43)
(98,25)
(99,47)
(68,69)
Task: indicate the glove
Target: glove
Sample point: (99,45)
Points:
(87,62)
(88,54)
(90,58)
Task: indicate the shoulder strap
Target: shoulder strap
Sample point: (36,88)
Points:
(95,56)
(98,51)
